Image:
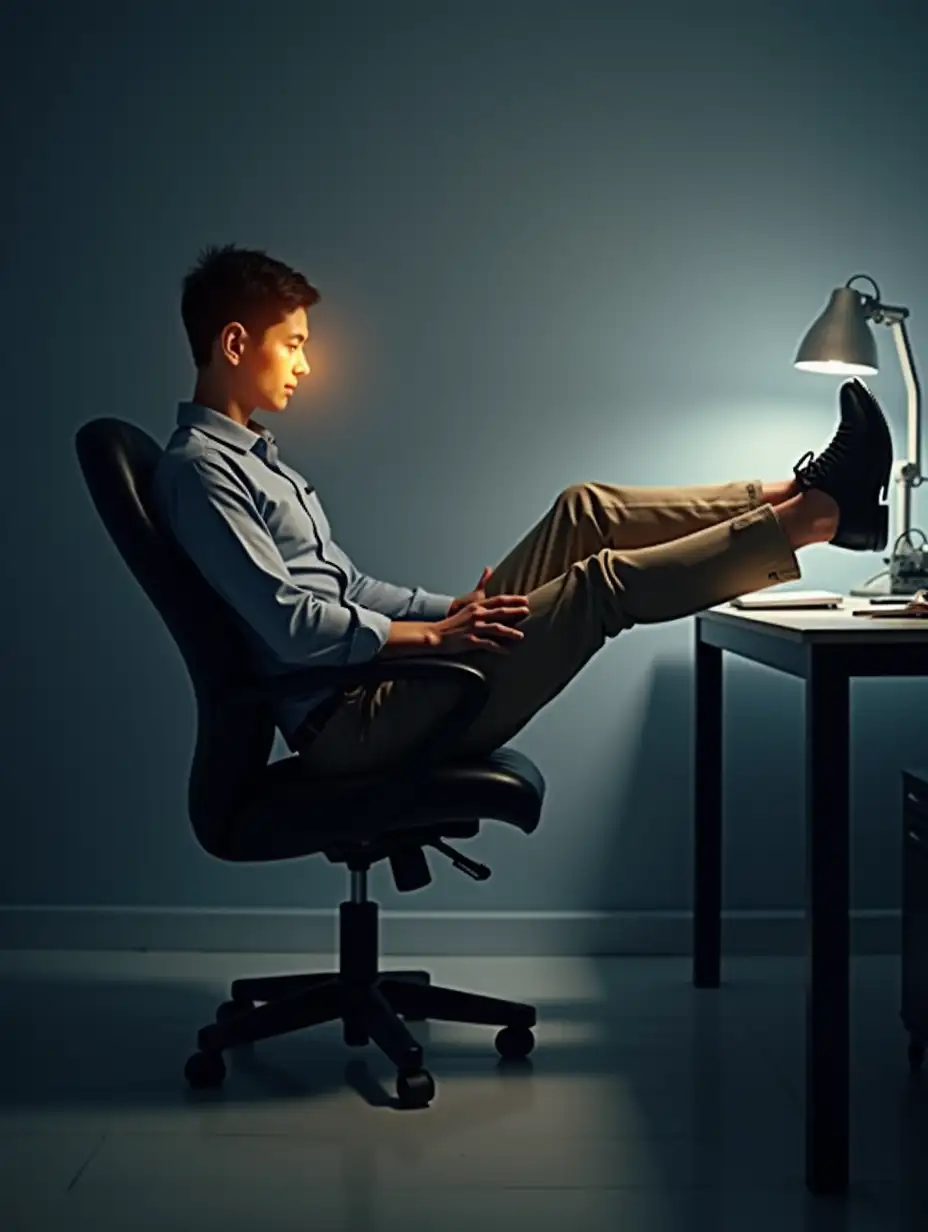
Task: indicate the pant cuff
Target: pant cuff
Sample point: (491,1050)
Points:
(771,556)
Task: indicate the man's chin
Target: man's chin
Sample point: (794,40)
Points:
(273,406)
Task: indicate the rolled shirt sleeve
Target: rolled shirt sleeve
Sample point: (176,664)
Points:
(427,605)
(214,519)
(399,602)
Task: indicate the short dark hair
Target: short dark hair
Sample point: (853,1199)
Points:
(238,284)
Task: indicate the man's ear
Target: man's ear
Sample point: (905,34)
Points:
(232,341)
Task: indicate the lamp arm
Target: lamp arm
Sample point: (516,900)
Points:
(913,390)
(909,474)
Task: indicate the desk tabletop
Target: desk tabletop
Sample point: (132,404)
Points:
(824,626)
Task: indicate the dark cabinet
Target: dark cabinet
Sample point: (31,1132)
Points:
(915,913)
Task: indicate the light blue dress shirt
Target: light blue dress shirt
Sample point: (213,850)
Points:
(256,530)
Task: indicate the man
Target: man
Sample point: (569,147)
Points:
(603,558)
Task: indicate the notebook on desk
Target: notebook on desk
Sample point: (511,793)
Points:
(763,599)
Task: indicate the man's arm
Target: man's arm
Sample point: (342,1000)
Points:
(216,522)
(399,602)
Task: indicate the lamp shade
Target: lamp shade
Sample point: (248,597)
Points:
(839,341)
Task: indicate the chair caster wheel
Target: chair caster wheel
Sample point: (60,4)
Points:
(415,1088)
(205,1070)
(233,1009)
(513,1042)
(916,1054)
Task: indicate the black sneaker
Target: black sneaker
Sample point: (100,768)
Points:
(855,469)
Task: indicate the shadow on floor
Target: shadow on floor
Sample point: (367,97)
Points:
(669,1077)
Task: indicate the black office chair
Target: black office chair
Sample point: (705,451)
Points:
(243,808)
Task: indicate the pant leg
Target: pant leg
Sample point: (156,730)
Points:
(570,618)
(589,516)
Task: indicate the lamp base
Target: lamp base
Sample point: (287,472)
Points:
(907,573)
(880,588)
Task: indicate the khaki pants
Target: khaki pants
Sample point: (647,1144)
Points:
(602,559)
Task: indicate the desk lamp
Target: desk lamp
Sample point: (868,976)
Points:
(840,342)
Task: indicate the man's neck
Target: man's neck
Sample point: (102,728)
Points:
(224,404)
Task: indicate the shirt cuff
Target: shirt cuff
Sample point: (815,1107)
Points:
(429,606)
(370,636)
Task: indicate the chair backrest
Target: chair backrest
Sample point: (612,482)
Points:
(234,737)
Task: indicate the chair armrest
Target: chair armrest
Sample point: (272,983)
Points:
(472,685)
(373,671)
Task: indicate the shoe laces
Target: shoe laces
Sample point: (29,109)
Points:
(809,469)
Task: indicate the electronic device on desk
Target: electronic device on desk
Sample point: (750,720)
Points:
(840,342)
(789,600)
(908,565)
(907,573)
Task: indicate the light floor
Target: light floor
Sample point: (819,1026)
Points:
(648,1107)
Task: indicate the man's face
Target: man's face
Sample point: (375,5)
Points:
(268,370)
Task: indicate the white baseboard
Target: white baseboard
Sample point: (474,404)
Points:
(465,933)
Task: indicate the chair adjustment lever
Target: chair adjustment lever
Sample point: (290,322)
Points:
(479,872)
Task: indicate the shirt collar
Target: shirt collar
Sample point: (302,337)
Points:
(222,428)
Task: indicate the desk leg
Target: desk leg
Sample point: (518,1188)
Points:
(707,838)
(827,907)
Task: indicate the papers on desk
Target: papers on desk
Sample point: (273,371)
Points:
(915,608)
(758,600)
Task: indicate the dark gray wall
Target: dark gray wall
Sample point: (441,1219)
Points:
(555,242)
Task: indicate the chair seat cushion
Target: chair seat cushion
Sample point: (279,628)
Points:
(290,813)
(504,786)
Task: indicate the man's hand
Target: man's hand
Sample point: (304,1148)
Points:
(475,596)
(483,624)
